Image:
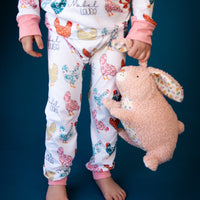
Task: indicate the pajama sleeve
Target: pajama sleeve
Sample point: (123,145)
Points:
(142,24)
(28,17)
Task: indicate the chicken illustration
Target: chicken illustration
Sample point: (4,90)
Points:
(93,167)
(50,131)
(114,123)
(71,76)
(49,158)
(65,136)
(149,19)
(111,6)
(49,175)
(44,3)
(110,167)
(71,105)
(113,35)
(123,63)
(66,160)
(126,3)
(107,69)
(98,97)
(53,74)
(64,172)
(25,3)
(82,35)
(109,148)
(86,52)
(151,2)
(116,95)
(64,31)
(97,147)
(99,124)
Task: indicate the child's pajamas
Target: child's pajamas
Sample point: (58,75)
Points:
(81,32)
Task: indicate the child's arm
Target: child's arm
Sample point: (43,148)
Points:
(28,19)
(142,26)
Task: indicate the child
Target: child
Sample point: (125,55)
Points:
(80,32)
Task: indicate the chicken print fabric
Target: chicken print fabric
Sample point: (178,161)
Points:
(71,105)
(107,69)
(91,19)
(58,6)
(64,105)
(94,15)
(28,3)
(65,135)
(53,73)
(71,76)
(110,7)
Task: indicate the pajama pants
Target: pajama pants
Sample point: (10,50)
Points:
(66,60)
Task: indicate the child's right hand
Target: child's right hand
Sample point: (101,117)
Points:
(27,43)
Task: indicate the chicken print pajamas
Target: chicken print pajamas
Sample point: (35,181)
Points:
(81,32)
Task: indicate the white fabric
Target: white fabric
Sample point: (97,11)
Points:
(62,110)
(101,13)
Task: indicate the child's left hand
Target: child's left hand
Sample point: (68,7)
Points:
(139,50)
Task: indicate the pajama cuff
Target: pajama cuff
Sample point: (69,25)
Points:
(28,25)
(142,30)
(101,175)
(59,182)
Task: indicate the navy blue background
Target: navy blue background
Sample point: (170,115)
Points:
(23,86)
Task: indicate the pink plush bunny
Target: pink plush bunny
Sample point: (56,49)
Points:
(149,121)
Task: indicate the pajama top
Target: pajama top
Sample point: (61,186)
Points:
(101,15)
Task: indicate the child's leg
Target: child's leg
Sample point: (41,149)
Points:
(105,64)
(62,110)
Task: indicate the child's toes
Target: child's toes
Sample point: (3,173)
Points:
(108,197)
(123,195)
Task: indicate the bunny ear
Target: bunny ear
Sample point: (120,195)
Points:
(167,84)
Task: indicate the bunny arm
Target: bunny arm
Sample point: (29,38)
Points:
(110,103)
(122,114)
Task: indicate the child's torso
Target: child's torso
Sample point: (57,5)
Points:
(98,14)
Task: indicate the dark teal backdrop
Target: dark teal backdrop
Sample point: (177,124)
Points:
(23,86)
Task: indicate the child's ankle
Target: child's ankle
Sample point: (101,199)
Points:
(58,182)
(101,175)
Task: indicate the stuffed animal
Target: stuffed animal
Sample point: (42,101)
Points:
(150,123)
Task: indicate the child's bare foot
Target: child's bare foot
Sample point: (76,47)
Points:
(56,192)
(110,189)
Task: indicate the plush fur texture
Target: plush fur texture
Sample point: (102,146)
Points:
(150,122)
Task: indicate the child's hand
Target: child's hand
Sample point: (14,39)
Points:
(27,43)
(139,50)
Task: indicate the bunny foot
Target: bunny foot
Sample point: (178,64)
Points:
(151,162)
